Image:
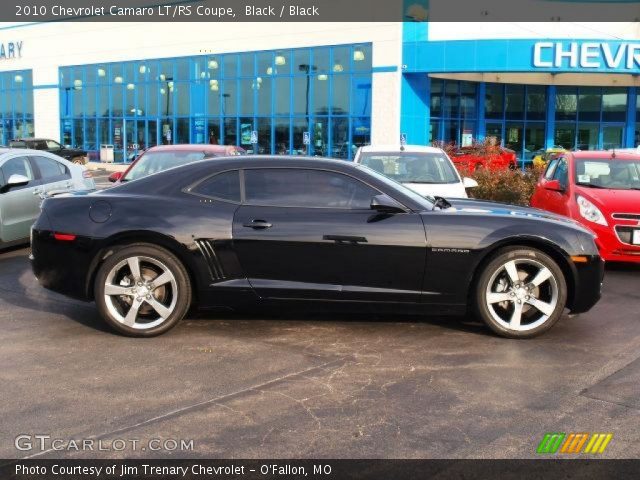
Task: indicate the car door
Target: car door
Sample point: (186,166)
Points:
(311,234)
(558,202)
(54,176)
(541,194)
(19,205)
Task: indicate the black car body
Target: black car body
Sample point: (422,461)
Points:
(74,155)
(245,235)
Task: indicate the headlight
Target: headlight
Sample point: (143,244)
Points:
(590,212)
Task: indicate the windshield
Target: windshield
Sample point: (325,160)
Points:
(154,162)
(612,174)
(426,201)
(412,167)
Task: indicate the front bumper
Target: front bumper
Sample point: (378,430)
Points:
(610,242)
(588,280)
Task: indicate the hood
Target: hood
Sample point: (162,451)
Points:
(447,190)
(612,201)
(503,209)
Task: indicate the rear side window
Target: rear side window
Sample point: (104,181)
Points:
(18,144)
(50,169)
(224,186)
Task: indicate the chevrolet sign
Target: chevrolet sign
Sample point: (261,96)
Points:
(587,55)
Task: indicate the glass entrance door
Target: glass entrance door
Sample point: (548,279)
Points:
(612,136)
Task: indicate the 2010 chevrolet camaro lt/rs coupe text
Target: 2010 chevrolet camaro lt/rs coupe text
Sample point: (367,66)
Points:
(241,231)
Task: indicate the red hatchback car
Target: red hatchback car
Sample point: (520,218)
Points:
(496,158)
(163,157)
(601,190)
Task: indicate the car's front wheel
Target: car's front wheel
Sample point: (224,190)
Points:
(520,293)
(79,160)
(142,290)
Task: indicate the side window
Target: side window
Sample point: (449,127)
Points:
(551,168)
(561,173)
(225,186)
(40,145)
(51,145)
(289,187)
(50,169)
(17,166)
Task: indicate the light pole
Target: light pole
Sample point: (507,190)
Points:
(169,82)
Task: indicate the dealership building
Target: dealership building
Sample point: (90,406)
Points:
(321,88)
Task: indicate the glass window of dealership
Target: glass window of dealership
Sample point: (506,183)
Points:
(517,116)
(16,105)
(224,99)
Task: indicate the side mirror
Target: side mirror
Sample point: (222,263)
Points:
(115,176)
(15,180)
(554,186)
(386,204)
(66,146)
(469,182)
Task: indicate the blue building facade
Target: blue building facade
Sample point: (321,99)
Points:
(526,94)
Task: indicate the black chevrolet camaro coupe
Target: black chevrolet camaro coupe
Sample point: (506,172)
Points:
(251,231)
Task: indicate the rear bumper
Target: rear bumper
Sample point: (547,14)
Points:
(61,266)
(588,279)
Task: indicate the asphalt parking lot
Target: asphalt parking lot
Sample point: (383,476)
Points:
(312,384)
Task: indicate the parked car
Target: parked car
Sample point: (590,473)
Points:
(542,159)
(25,177)
(259,230)
(426,170)
(601,190)
(159,158)
(493,158)
(74,155)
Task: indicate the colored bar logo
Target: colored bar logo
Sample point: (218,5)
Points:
(573,443)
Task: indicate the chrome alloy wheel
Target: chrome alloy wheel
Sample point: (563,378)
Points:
(140,292)
(522,294)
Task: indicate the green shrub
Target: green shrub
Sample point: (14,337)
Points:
(508,186)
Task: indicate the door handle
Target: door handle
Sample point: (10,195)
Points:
(258,225)
(345,239)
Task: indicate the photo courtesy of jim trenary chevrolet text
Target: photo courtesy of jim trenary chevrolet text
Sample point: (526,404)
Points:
(287,239)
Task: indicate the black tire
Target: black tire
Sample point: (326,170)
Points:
(183,293)
(79,160)
(494,271)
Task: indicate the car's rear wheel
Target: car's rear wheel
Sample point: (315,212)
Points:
(520,293)
(142,290)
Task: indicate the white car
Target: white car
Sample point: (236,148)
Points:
(27,176)
(426,170)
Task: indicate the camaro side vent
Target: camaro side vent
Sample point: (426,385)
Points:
(208,251)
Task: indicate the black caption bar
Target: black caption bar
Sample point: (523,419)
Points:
(320,10)
(315,469)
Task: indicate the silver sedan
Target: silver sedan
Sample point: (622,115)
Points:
(27,176)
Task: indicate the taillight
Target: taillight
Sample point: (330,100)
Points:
(87,174)
(64,237)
